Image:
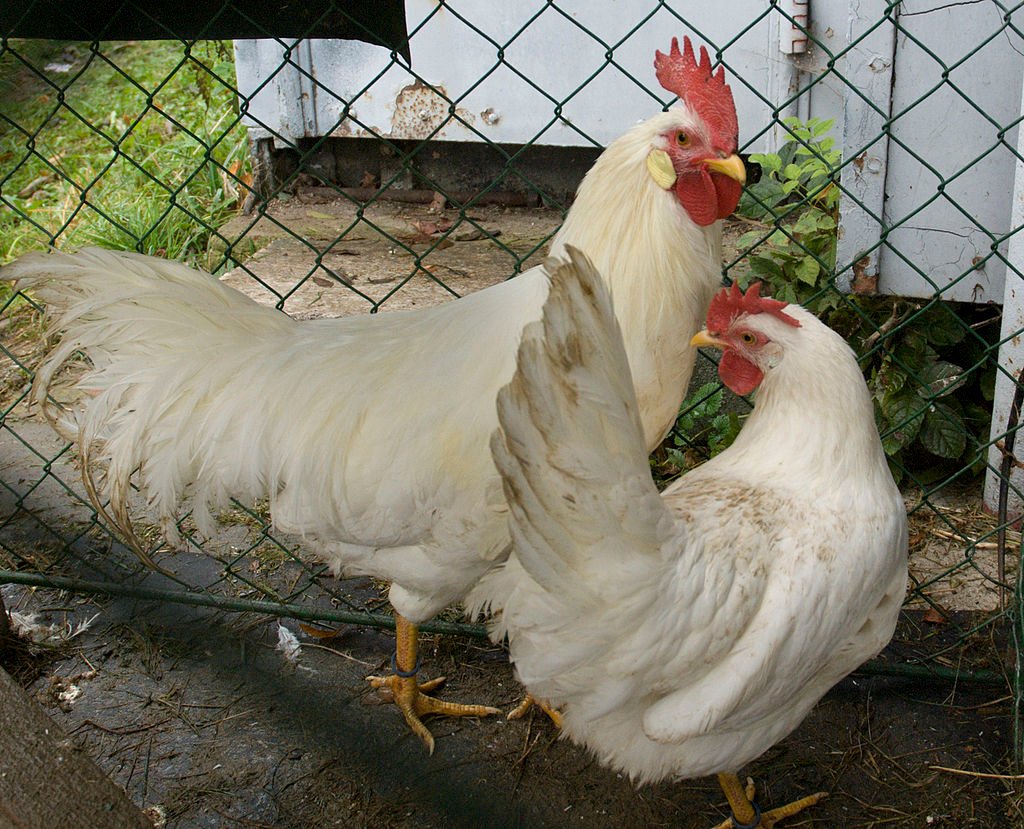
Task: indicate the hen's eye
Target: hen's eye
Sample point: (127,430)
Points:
(682,139)
(748,338)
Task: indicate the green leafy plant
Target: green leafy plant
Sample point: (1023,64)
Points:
(792,248)
(795,206)
(702,430)
(929,370)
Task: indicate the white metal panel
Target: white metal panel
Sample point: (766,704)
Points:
(865,72)
(884,73)
(551,67)
(938,227)
(1011,353)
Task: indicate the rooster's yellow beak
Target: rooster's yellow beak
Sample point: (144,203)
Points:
(704,339)
(733,167)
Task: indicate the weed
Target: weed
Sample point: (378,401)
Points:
(702,430)
(123,145)
(797,202)
(929,369)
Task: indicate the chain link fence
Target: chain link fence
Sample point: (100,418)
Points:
(163,148)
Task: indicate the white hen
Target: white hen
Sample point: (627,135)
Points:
(683,634)
(370,434)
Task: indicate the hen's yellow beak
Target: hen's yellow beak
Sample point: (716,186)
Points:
(705,339)
(733,167)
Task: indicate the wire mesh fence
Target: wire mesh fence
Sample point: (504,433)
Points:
(161,148)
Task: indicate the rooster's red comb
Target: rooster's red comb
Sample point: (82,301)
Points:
(729,303)
(703,91)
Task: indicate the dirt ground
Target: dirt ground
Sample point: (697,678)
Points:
(200,715)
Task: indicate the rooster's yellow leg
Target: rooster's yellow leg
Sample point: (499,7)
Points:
(408,694)
(746,815)
(529,701)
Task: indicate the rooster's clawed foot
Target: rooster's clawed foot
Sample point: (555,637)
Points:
(411,698)
(410,695)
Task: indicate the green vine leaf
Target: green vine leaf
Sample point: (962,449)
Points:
(903,415)
(939,379)
(942,328)
(924,365)
(944,433)
(807,270)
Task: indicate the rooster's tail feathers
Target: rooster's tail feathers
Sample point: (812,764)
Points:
(163,342)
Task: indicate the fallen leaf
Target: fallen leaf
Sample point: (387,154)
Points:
(235,167)
(318,632)
(340,276)
(934,617)
(430,227)
(476,234)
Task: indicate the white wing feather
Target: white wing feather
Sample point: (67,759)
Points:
(571,448)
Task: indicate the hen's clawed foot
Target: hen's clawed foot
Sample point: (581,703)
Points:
(410,695)
(529,701)
(746,815)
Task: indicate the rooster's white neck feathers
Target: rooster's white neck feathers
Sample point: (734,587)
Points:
(661,294)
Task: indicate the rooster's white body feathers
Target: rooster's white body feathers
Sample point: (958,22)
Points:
(369,434)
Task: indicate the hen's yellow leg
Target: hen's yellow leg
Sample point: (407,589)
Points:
(529,701)
(746,815)
(409,695)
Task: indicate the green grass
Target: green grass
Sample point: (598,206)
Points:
(130,149)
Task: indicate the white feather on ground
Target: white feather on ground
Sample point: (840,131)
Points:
(288,643)
(29,626)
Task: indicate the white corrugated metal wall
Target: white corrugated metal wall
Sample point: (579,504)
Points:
(937,131)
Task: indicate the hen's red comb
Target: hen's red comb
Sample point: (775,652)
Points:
(729,303)
(704,91)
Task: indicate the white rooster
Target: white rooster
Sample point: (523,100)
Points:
(683,634)
(370,434)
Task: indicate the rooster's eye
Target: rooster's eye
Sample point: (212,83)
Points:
(748,338)
(682,139)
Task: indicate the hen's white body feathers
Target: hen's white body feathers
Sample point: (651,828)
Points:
(684,634)
(369,434)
